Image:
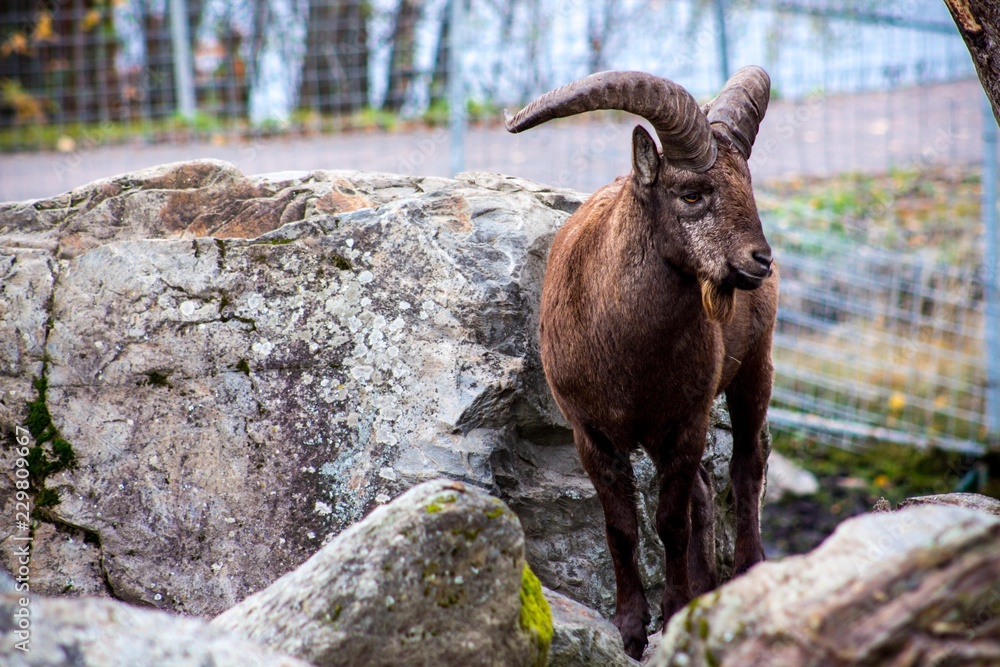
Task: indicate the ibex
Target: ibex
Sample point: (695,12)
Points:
(658,296)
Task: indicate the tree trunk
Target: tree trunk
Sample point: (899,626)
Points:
(979,23)
(157,81)
(601,23)
(335,71)
(403,45)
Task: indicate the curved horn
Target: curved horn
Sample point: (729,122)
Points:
(684,131)
(740,106)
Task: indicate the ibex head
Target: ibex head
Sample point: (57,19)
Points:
(695,197)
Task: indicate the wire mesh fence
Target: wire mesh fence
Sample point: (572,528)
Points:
(878,346)
(329,64)
(869,165)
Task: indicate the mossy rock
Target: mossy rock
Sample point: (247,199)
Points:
(536,617)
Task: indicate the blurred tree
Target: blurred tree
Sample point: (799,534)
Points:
(154,83)
(335,71)
(602,21)
(260,17)
(537,80)
(231,76)
(505,14)
(403,51)
(440,77)
(20,72)
(150,91)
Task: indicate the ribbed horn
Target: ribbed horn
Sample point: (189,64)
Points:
(740,106)
(684,132)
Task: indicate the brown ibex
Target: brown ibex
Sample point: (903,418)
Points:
(659,295)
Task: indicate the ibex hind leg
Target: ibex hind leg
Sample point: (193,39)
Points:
(747,398)
(611,472)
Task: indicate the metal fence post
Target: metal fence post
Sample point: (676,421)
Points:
(456,86)
(181,50)
(991,269)
(723,41)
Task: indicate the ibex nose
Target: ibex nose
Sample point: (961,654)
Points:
(764,259)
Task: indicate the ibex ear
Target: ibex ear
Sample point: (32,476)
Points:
(645,157)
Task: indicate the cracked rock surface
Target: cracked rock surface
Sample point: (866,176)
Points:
(244,367)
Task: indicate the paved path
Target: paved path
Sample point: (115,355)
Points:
(870,132)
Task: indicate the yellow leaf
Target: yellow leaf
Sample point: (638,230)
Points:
(43,29)
(16,43)
(91,19)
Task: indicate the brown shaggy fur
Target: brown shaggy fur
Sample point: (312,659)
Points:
(657,298)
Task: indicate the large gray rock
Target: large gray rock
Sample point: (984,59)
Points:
(917,587)
(245,367)
(437,577)
(105,633)
(582,637)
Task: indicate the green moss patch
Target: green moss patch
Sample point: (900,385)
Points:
(47,498)
(50,453)
(155,379)
(39,421)
(334,614)
(274,242)
(435,504)
(468,533)
(341,262)
(536,616)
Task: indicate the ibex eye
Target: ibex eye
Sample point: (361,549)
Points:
(691,198)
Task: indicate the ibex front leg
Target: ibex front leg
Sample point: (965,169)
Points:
(611,472)
(747,398)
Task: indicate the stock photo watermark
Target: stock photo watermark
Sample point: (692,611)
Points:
(21,538)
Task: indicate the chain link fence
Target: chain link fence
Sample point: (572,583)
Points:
(873,175)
